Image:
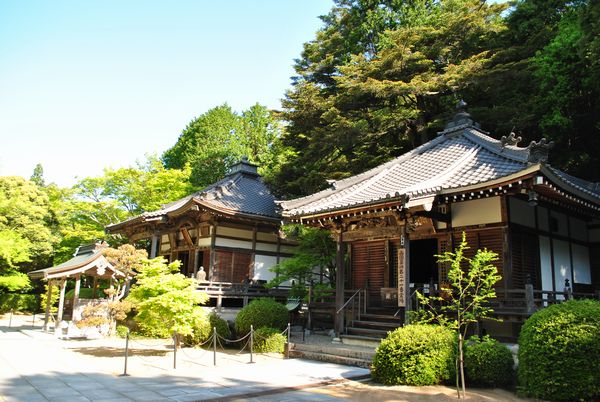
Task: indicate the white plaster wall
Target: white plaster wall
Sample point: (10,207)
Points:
(581,264)
(546,263)
(262,236)
(266,247)
(225,231)
(204,242)
(475,212)
(562,263)
(219,241)
(262,263)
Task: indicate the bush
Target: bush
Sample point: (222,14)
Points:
(204,330)
(222,327)
(261,313)
(18,302)
(558,352)
(415,355)
(488,363)
(268,340)
(122,331)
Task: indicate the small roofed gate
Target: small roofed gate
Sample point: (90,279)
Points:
(369,267)
(231,267)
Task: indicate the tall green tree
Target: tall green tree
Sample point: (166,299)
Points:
(83,212)
(213,142)
(26,240)
(38,176)
(379,79)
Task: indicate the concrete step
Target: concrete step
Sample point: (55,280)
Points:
(363,353)
(381,318)
(369,332)
(330,358)
(388,326)
(360,340)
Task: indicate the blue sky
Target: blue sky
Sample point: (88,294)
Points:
(91,84)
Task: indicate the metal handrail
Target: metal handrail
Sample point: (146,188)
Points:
(349,300)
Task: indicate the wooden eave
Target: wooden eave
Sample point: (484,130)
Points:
(387,204)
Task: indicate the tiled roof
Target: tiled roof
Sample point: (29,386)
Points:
(240,192)
(461,156)
(84,256)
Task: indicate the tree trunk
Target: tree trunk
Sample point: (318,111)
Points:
(462,365)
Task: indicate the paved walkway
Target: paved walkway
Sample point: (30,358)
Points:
(36,366)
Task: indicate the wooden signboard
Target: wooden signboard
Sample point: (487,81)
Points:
(401,279)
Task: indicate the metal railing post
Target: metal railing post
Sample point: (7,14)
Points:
(287,349)
(174,350)
(251,342)
(10,319)
(214,346)
(126,353)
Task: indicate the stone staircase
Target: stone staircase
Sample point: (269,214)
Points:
(334,353)
(371,328)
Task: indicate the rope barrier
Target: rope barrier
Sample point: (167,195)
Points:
(149,345)
(216,339)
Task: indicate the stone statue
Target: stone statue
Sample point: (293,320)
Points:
(201,275)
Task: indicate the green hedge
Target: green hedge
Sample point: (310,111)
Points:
(222,327)
(261,313)
(488,363)
(269,340)
(415,355)
(559,350)
(19,302)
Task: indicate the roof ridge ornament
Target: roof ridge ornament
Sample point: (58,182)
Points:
(538,151)
(511,139)
(461,117)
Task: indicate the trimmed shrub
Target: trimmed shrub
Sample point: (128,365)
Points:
(268,340)
(19,302)
(558,352)
(261,313)
(221,325)
(204,330)
(415,355)
(488,363)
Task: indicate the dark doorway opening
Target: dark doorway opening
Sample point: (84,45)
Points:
(184,257)
(423,263)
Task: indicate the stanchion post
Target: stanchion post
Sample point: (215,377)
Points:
(10,319)
(174,350)
(287,349)
(251,342)
(214,346)
(126,353)
(33,320)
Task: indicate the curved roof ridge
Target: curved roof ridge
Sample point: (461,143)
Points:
(518,154)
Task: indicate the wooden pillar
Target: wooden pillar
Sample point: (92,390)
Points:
(253,257)
(339,285)
(48,304)
(61,303)
(95,288)
(405,261)
(213,240)
(154,246)
(76,295)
